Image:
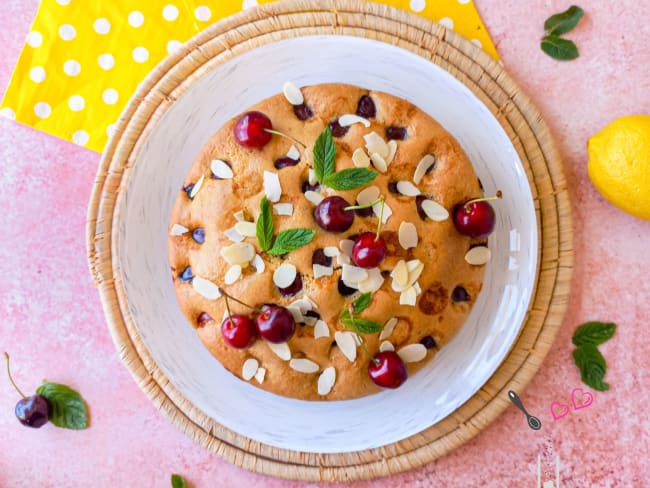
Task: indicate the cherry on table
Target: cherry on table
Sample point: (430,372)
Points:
(330,214)
(251,130)
(239,331)
(368,250)
(33,411)
(275,324)
(475,218)
(386,369)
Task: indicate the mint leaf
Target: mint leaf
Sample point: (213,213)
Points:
(178,481)
(593,333)
(68,408)
(361,303)
(290,240)
(264,229)
(563,22)
(324,155)
(558,48)
(362,326)
(592,366)
(349,179)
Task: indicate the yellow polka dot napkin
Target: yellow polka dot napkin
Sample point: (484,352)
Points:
(83,60)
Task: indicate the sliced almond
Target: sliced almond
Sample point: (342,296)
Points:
(478,256)
(297,314)
(292,93)
(392,150)
(434,210)
(221,169)
(281,350)
(407,189)
(312,177)
(178,230)
(250,368)
(314,197)
(247,229)
(423,166)
(309,320)
(353,274)
(407,235)
(346,120)
(284,275)
(376,208)
(415,267)
(418,290)
(232,275)
(386,346)
(304,304)
(260,374)
(375,144)
(272,187)
(321,329)
(331,251)
(360,159)
(303,365)
(320,270)
(326,380)
(373,282)
(343,259)
(412,353)
(379,162)
(239,216)
(347,344)
(258,264)
(408,297)
(233,235)
(400,273)
(283,209)
(239,253)
(205,288)
(293,153)
(368,195)
(197,186)
(346,246)
(388,329)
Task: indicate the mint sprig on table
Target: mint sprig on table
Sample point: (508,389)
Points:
(361,326)
(68,408)
(556,25)
(286,241)
(588,359)
(178,481)
(325,166)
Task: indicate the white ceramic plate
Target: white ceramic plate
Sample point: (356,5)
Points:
(457,372)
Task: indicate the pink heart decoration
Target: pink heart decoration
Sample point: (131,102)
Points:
(559,410)
(581,398)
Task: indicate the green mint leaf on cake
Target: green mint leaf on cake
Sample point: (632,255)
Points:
(68,408)
(290,240)
(362,326)
(264,227)
(593,333)
(349,179)
(561,23)
(558,48)
(324,155)
(592,366)
(178,481)
(361,303)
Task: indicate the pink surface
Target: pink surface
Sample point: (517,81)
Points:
(53,324)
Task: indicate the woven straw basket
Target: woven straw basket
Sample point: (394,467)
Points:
(476,70)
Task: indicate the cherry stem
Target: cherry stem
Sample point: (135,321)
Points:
(361,343)
(225,297)
(292,139)
(221,290)
(381,216)
(12,380)
(361,207)
(483,199)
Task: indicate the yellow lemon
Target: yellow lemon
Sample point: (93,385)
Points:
(619,164)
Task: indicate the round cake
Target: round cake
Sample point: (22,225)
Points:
(296,292)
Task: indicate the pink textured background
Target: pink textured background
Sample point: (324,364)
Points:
(52,321)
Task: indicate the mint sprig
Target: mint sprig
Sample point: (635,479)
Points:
(593,333)
(178,481)
(286,241)
(588,359)
(350,178)
(556,25)
(361,326)
(68,408)
(264,227)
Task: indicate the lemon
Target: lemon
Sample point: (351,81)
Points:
(619,164)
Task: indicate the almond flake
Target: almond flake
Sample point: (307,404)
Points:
(197,186)
(320,270)
(353,274)
(258,264)
(423,166)
(239,216)
(260,374)
(347,344)
(392,149)
(412,353)
(331,251)
(326,380)
(304,304)
(284,275)
(373,282)
(233,235)
(312,177)
(221,169)
(379,162)
(297,314)
(347,120)
(388,329)
(239,253)
(477,256)
(407,235)
(415,267)
(418,290)
(375,144)
(283,209)
(407,189)
(314,197)
(346,246)
(247,229)
(303,365)
(321,329)
(376,208)
(272,187)
(343,259)
(368,195)
(360,158)
(386,346)
(293,153)
(292,93)
(178,230)
(232,275)
(434,210)
(250,368)
(400,273)
(205,288)
(281,350)
(408,297)
(309,320)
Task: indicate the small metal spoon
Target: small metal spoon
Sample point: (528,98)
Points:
(533,422)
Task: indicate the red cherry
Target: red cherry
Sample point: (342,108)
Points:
(275,324)
(251,130)
(239,331)
(367,251)
(387,370)
(331,215)
(475,219)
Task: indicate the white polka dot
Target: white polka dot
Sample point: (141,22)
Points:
(417,5)
(140,54)
(80,137)
(7,113)
(71,67)
(37,74)
(173,46)
(136,19)
(63,2)
(102,26)
(76,103)
(110,96)
(248,4)
(110,130)
(106,61)
(67,32)
(34,39)
(463,2)
(42,110)
(476,42)
(203,13)
(447,22)
(170,12)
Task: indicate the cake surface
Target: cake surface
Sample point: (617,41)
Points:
(428,310)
